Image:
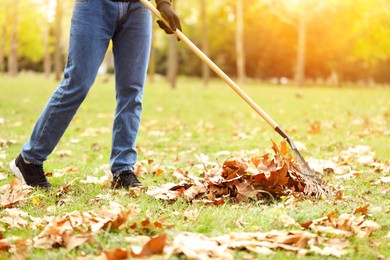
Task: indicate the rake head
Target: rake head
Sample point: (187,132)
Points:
(314,185)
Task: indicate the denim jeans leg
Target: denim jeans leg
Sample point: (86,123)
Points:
(89,39)
(131,48)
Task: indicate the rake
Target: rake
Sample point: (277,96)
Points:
(314,183)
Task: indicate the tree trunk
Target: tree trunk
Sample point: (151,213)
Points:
(172,68)
(2,48)
(240,52)
(46,43)
(172,62)
(47,58)
(13,50)
(205,43)
(299,76)
(58,45)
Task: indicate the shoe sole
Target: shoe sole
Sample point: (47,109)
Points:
(16,171)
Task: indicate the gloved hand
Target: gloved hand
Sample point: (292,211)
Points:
(169,15)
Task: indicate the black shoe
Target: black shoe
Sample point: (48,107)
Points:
(31,174)
(125,180)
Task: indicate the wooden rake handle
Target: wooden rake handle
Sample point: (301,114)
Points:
(215,68)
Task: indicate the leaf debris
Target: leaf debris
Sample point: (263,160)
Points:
(240,179)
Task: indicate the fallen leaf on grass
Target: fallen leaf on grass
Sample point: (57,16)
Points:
(287,221)
(298,242)
(147,226)
(64,189)
(345,165)
(76,228)
(215,202)
(4,243)
(63,153)
(362,210)
(191,214)
(61,172)
(172,192)
(385,179)
(180,175)
(154,246)
(72,241)
(198,246)
(14,218)
(314,128)
(116,254)
(96,180)
(21,248)
(4,142)
(240,222)
(14,193)
(92,132)
(145,167)
(346,225)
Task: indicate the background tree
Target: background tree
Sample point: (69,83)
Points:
(2,35)
(297,13)
(46,42)
(240,52)
(316,42)
(58,66)
(205,41)
(13,43)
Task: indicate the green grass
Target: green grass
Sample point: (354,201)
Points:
(178,125)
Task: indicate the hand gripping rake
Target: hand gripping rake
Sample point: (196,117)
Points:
(304,167)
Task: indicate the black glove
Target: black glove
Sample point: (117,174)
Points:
(169,15)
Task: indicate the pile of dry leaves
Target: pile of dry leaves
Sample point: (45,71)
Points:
(240,179)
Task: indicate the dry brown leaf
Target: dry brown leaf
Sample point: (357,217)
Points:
(73,241)
(314,128)
(14,193)
(215,202)
(180,175)
(345,225)
(64,189)
(4,245)
(63,153)
(198,246)
(14,218)
(287,221)
(21,249)
(362,210)
(77,228)
(154,246)
(116,254)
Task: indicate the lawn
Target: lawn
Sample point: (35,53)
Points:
(189,130)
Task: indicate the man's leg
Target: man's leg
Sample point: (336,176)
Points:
(131,47)
(91,30)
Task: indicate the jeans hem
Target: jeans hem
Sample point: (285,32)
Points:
(33,161)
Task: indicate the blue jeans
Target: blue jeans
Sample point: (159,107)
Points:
(94,23)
